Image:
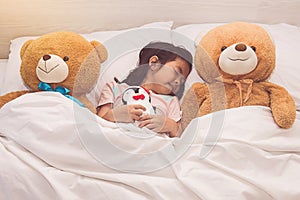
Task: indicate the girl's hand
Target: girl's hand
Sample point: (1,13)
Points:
(128,113)
(160,124)
(124,113)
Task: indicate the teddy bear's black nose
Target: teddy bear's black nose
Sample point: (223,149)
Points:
(240,47)
(46,57)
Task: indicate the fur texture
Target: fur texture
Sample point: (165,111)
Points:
(238,41)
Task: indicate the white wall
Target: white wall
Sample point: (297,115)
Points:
(36,17)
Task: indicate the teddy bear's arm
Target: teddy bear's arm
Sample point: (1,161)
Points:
(191,103)
(87,103)
(10,96)
(282,105)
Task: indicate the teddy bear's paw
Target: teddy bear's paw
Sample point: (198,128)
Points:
(285,121)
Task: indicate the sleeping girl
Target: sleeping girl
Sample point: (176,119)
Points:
(162,70)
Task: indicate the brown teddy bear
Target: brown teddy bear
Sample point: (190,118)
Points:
(61,61)
(235,60)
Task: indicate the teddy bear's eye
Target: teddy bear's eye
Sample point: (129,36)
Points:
(254,48)
(66,58)
(223,48)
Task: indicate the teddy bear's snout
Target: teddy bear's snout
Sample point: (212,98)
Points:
(238,59)
(52,68)
(240,47)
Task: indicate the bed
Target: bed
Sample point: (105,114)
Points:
(51,148)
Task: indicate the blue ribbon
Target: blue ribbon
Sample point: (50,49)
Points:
(64,91)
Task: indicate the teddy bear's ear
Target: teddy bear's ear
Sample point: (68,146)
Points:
(24,47)
(102,52)
(205,65)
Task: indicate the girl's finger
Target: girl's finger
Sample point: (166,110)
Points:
(150,126)
(137,112)
(135,117)
(139,106)
(144,123)
(146,117)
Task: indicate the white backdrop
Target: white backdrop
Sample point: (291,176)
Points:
(35,17)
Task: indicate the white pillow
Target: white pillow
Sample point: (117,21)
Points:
(287,70)
(123,49)
(123,56)
(12,78)
(187,35)
(160,31)
(3,63)
(287,40)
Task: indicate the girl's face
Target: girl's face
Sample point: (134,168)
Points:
(168,78)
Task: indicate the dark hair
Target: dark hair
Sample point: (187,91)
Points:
(165,52)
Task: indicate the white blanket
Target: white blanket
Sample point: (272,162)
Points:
(53,149)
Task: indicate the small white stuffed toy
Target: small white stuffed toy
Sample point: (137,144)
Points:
(138,95)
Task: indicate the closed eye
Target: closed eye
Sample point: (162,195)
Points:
(180,71)
(182,77)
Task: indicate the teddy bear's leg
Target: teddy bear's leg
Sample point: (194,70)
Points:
(10,96)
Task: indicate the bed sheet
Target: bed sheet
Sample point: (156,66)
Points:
(51,148)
